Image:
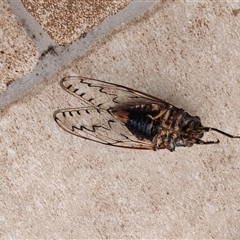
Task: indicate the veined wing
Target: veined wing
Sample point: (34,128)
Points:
(98,125)
(104,95)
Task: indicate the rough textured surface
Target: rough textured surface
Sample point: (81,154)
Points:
(18,54)
(66,20)
(52,56)
(54,185)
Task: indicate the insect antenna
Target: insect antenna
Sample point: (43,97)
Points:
(208,129)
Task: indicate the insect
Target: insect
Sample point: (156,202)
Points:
(119,116)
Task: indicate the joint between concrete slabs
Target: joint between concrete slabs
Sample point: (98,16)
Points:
(49,63)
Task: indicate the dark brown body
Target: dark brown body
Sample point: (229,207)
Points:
(119,116)
(165,128)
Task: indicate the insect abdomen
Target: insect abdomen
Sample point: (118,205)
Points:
(138,121)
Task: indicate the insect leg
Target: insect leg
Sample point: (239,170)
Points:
(165,140)
(208,129)
(201,142)
(165,111)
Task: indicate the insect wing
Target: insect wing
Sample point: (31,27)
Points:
(94,120)
(104,95)
(98,126)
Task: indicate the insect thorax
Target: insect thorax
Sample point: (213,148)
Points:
(166,127)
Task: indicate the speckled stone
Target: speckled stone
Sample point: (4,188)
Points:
(18,55)
(67,20)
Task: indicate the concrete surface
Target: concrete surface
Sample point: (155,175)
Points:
(18,54)
(65,20)
(53,56)
(55,185)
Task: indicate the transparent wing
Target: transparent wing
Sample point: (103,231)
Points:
(99,126)
(104,95)
(94,120)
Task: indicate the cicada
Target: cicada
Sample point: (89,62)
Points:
(119,116)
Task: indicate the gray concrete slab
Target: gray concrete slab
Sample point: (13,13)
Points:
(52,56)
